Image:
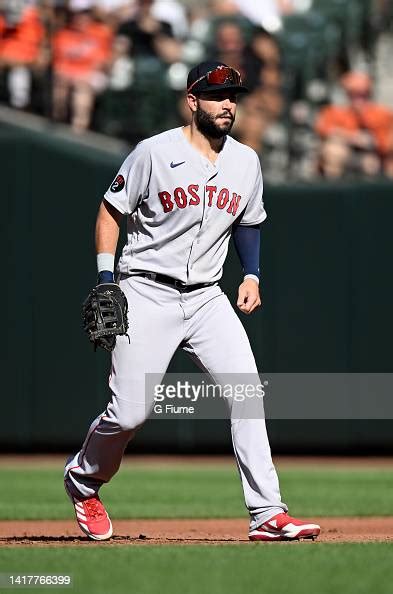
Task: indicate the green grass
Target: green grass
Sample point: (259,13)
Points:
(270,569)
(197,491)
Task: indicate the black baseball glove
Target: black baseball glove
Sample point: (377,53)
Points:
(104,315)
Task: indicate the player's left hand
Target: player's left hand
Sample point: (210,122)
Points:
(249,298)
(104,315)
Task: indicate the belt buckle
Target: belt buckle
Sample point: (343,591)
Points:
(180,285)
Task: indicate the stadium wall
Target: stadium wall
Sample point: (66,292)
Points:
(327,300)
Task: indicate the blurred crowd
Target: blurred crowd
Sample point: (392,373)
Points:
(119,67)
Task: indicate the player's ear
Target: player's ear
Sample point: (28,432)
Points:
(192,102)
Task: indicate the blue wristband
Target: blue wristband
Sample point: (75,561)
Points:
(105,276)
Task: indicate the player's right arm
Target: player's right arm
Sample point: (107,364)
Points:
(107,228)
(106,238)
(122,198)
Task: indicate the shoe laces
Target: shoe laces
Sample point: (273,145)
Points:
(94,508)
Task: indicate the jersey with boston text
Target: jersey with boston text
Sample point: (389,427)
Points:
(181,206)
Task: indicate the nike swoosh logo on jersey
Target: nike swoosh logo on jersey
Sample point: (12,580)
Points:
(173,165)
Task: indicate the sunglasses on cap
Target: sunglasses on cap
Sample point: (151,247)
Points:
(219,76)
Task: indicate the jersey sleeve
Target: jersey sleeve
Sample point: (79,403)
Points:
(255,213)
(131,183)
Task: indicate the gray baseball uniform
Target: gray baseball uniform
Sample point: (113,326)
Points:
(182,206)
(180,209)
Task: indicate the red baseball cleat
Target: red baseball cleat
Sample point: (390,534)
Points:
(284,527)
(91,516)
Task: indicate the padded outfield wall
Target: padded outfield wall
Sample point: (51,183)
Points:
(327,292)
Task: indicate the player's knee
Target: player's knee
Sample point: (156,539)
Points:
(132,421)
(129,425)
(124,415)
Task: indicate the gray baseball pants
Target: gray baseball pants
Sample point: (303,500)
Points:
(205,325)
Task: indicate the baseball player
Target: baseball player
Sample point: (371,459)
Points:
(184,192)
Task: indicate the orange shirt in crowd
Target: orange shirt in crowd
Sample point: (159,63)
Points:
(375,119)
(78,53)
(21,44)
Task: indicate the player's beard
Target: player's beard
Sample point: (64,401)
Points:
(208,126)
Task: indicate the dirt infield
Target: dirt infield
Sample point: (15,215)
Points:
(58,460)
(164,532)
(44,533)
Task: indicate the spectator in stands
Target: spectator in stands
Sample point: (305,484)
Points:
(174,13)
(260,111)
(223,7)
(21,42)
(251,123)
(262,60)
(265,14)
(388,166)
(230,46)
(357,137)
(113,12)
(81,55)
(142,31)
(257,112)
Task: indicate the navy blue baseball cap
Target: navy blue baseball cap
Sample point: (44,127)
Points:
(214,76)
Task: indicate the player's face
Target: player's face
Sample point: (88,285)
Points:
(215,113)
